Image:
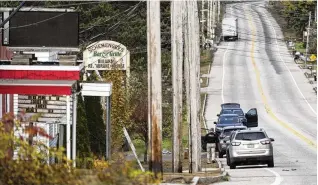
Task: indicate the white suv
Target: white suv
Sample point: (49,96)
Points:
(250,146)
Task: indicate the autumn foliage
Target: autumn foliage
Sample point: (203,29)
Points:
(25,164)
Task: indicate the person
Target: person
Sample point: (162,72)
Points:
(211,139)
(297,55)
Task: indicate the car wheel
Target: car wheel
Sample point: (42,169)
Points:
(221,154)
(227,160)
(270,163)
(232,165)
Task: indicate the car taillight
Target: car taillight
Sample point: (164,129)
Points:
(266,142)
(235,143)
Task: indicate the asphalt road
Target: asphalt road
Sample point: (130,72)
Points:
(258,72)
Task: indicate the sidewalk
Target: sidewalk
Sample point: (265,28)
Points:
(309,72)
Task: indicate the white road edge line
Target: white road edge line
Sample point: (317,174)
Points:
(286,65)
(223,72)
(278,178)
(223,68)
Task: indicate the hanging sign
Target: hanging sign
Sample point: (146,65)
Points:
(106,55)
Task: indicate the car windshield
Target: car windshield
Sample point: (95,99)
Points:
(233,111)
(229,119)
(250,136)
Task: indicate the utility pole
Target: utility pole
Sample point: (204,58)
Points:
(194,59)
(209,20)
(155,91)
(197,62)
(219,10)
(307,42)
(213,18)
(177,58)
(202,22)
(187,76)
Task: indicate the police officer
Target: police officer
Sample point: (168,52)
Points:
(210,140)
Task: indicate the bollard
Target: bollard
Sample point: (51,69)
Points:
(186,153)
(213,153)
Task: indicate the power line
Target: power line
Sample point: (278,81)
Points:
(131,9)
(35,23)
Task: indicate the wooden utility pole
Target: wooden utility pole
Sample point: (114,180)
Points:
(209,20)
(213,18)
(154,84)
(194,59)
(307,42)
(177,58)
(187,76)
(196,62)
(202,21)
(219,10)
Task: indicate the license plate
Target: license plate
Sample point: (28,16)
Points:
(250,146)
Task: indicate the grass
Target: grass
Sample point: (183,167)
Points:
(205,65)
(203,132)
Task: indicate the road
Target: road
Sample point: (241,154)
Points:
(258,72)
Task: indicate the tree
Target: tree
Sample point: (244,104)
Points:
(120,110)
(95,123)
(83,135)
(296,13)
(139,105)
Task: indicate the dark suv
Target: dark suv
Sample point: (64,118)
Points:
(250,119)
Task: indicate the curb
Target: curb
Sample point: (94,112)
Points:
(210,180)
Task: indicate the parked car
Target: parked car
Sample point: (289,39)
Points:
(249,119)
(225,120)
(224,136)
(249,147)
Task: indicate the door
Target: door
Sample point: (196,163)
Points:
(251,118)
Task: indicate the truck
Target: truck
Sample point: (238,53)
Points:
(229,29)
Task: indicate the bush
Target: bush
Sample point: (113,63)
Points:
(29,165)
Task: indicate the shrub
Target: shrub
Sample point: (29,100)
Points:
(30,163)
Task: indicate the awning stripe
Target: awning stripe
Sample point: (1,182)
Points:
(14,82)
(41,67)
(31,90)
(39,75)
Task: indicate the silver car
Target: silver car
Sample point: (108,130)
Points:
(224,136)
(250,146)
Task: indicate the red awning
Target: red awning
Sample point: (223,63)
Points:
(29,87)
(29,80)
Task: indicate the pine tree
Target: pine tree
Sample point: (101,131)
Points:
(83,139)
(95,123)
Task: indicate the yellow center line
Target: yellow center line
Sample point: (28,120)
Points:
(264,99)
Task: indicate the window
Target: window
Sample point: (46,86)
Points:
(252,112)
(228,132)
(229,120)
(238,112)
(250,136)
(233,111)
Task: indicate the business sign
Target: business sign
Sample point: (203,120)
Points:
(39,29)
(106,55)
(51,109)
